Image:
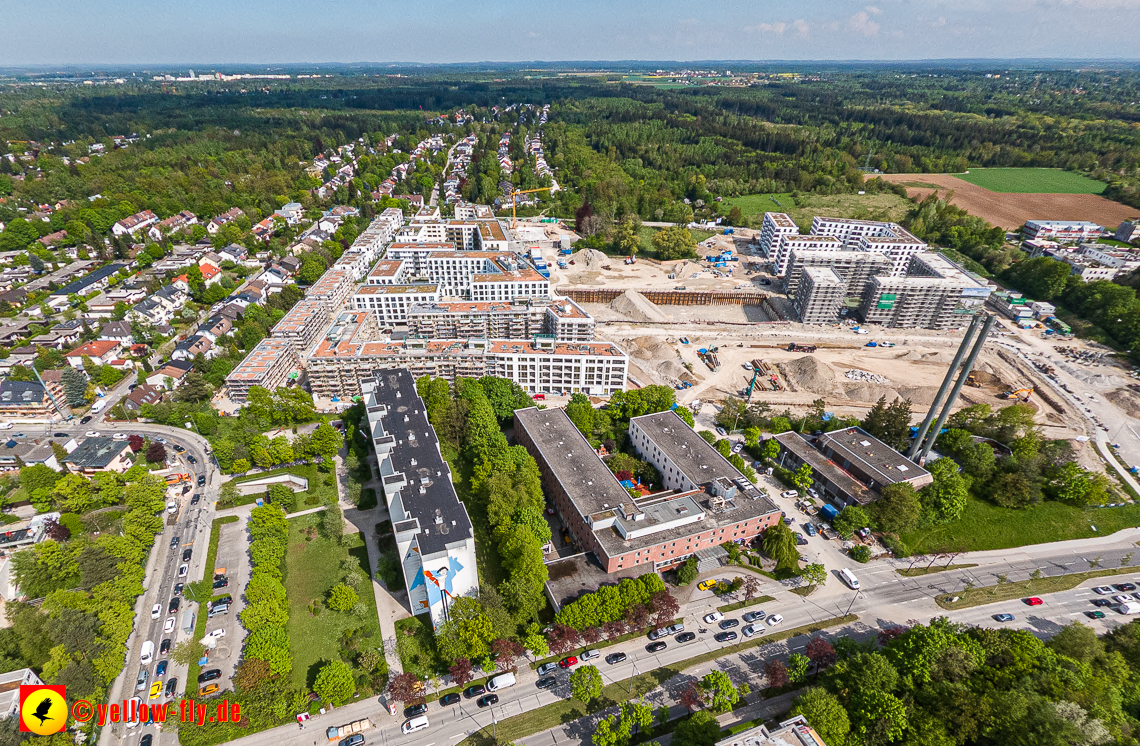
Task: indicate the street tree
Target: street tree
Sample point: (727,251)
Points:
(719,693)
(586,684)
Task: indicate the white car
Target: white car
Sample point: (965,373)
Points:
(182,570)
(748,366)
(789,494)
(156,612)
(120,436)
(133,722)
(220,633)
(713,618)
(92,433)
(168,625)
(774,620)
(1102,590)
(753,629)
(585,656)
(1122,599)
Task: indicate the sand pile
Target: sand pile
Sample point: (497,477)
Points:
(808,373)
(927,357)
(920,396)
(869,392)
(636,307)
(590,259)
(674,370)
(1127,399)
(684,270)
(649,348)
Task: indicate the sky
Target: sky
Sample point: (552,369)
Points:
(205,32)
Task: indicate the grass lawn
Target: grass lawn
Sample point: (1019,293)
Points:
(312,567)
(884,206)
(990,594)
(486,552)
(415,642)
(757,204)
(1032,181)
(744,604)
(986,526)
(321,489)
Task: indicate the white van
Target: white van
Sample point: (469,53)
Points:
(5,425)
(502,681)
(849,578)
(1129,608)
(97,407)
(416,723)
(147,652)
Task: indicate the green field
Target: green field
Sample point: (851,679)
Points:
(882,206)
(757,204)
(1032,181)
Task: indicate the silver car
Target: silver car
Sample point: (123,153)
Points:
(546,668)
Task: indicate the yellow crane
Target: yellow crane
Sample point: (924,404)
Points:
(514,220)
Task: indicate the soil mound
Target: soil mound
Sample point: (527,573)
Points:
(870,392)
(1127,399)
(590,259)
(808,373)
(636,307)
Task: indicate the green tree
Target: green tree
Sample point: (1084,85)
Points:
(798,665)
(825,713)
(687,572)
(342,597)
(803,477)
(718,691)
(586,684)
(335,683)
(944,499)
(878,712)
(851,519)
(74,386)
(187,652)
(675,242)
(899,510)
(581,413)
(194,389)
(814,574)
(699,729)
(780,545)
(325,441)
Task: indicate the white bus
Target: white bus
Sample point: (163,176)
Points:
(849,578)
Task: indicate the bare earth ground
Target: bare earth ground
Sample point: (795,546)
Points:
(1010,211)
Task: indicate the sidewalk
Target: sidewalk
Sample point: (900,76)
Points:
(1106,451)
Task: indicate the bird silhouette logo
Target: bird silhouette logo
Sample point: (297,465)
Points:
(43,709)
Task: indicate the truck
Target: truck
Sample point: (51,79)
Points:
(335,733)
(564,251)
(828,512)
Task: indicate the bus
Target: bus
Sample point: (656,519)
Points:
(849,578)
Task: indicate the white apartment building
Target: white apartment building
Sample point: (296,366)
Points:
(390,303)
(794,242)
(1061,230)
(389,272)
(775,225)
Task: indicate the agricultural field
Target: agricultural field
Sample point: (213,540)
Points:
(884,206)
(1032,181)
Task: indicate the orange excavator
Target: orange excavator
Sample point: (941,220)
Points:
(1020,394)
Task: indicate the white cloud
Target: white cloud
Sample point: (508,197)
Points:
(861,23)
(801,27)
(872,10)
(778,27)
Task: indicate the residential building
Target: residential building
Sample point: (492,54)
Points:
(704,504)
(193,346)
(101,352)
(172,224)
(934,294)
(793,732)
(10,684)
(225,218)
(774,226)
(854,267)
(145,394)
(849,466)
(97,280)
(1011,304)
(117,331)
(1128,231)
(819,296)
(1061,230)
(390,303)
(135,223)
(268,365)
(171,375)
(293,212)
(433,533)
(100,454)
(839,234)
(210,275)
(303,324)
(525,318)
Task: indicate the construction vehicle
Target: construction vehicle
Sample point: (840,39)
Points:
(972,381)
(173,479)
(793,347)
(1020,394)
(514,219)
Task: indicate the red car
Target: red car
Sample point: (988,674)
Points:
(1033,601)
(568,661)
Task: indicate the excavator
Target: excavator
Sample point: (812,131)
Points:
(1020,394)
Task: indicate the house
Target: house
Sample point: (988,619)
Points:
(210,258)
(100,454)
(52,239)
(290,264)
(11,681)
(97,280)
(117,331)
(18,453)
(193,346)
(233,253)
(231,311)
(150,311)
(145,394)
(216,327)
(172,224)
(264,230)
(276,276)
(171,297)
(225,218)
(101,352)
(134,224)
(210,274)
(25,400)
(175,372)
(293,212)
(15,298)
(56,339)
(139,350)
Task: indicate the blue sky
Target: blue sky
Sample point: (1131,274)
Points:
(127,32)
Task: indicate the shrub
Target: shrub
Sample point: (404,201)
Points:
(859,553)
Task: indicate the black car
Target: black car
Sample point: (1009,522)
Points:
(178,449)
(1124,586)
(171,685)
(613,658)
(487,701)
(146,740)
(164,647)
(213,673)
(225,600)
(474,691)
(197,496)
(201,480)
(411,712)
(1101,602)
(178,588)
(725,636)
(221,582)
(448,699)
(686,637)
(193,460)
(546,682)
(85,420)
(61,435)
(174,542)
(729,623)
(174,603)
(654,647)
(186,554)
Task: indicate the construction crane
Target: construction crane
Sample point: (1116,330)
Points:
(514,220)
(1021,394)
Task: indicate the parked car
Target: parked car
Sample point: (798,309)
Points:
(168,625)
(183,569)
(1122,599)
(809,529)
(588,655)
(721,431)
(140,682)
(775,619)
(171,685)
(177,590)
(1033,601)
(686,637)
(155,689)
(568,661)
(156,611)
(1124,586)
(655,647)
(356,739)
(1101,602)
(753,629)
(546,682)
(221,582)
(753,616)
(725,636)
(546,668)
(613,658)
(174,603)
(713,618)
(477,690)
(174,542)
(738,447)
(209,675)
(411,712)
(706,585)
(789,494)
(729,623)
(1102,590)
(448,699)
(206,691)
(1095,614)
(164,648)
(488,700)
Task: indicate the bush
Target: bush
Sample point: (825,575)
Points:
(859,553)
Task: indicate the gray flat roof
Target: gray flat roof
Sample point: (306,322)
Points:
(877,459)
(821,464)
(96,453)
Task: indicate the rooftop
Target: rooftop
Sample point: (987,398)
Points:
(873,457)
(96,453)
(259,361)
(799,445)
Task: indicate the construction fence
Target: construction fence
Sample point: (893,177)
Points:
(671,297)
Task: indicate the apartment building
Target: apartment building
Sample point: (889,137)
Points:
(775,226)
(334,288)
(390,303)
(819,296)
(1061,230)
(463,233)
(841,234)
(468,211)
(416,254)
(303,324)
(795,243)
(389,272)
(268,365)
(434,536)
(484,276)
(560,318)
(855,267)
(1128,231)
(541,365)
(935,294)
(705,503)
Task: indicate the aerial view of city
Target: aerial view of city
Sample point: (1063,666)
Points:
(583,375)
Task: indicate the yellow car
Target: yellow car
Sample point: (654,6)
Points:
(207,690)
(706,585)
(155,689)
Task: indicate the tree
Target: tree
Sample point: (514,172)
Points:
(187,652)
(581,413)
(563,639)
(535,642)
(335,683)
(878,712)
(825,713)
(194,389)
(771,449)
(944,499)
(1078,642)
(798,665)
(776,673)
(780,545)
(899,510)
(136,442)
(814,574)
(342,597)
(687,572)
(664,607)
(156,453)
(325,440)
(749,587)
(719,693)
(851,519)
(38,477)
(74,386)
(675,242)
(586,684)
(699,729)
(821,653)
(460,671)
(802,477)
(506,652)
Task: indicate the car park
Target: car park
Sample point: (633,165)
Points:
(1033,601)
(686,637)
(588,655)
(613,658)
(655,647)
(449,699)
(1003,617)
(477,690)
(488,700)
(713,618)
(568,661)
(546,668)
(753,629)
(753,616)
(412,711)
(729,623)
(546,682)
(725,636)
(774,620)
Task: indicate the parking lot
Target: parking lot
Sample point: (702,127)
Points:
(233,555)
